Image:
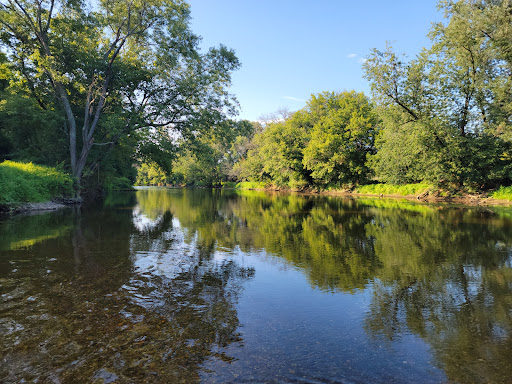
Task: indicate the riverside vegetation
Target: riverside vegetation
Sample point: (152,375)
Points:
(22,182)
(440,121)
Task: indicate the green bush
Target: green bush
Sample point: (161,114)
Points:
(118,183)
(503,193)
(251,185)
(27,182)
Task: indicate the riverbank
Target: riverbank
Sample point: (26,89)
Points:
(52,205)
(29,187)
(414,192)
(29,207)
(464,199)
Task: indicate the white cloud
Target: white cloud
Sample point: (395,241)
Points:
(362,60)
(352,55)
(293,99)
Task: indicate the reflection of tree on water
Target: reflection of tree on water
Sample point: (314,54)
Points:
(449,282)
(442,273)
(99,315)
(326,237)
(150,293)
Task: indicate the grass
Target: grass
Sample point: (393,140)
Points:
(503,193)
(244,185)
(389,189)
(27,182)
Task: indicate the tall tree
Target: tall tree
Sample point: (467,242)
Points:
(342,136)
(115,67)
(452,103)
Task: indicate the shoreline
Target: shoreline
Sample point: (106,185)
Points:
(465,199)
(52,205)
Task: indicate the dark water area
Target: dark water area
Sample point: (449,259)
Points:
(216,286)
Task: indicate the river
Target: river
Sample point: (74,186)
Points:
(195,285)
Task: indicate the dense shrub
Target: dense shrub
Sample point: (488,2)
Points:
(503,193)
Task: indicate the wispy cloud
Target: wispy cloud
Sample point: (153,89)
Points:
(355,56)
(293,99)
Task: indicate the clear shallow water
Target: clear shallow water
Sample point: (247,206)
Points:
(177,285)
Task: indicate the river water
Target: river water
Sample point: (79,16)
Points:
(181,285)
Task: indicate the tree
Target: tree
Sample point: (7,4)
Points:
(342,136)
(207,157)
(115,68)
(325,144)
(451,102)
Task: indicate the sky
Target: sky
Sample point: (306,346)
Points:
(291,49)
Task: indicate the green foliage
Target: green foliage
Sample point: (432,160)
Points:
(151,174)
(323,145)
(342,136)
(119,184)
(83,79)
(207,158)
(503,193)
(446,113)
(245,185)
(27,182)
(390,189)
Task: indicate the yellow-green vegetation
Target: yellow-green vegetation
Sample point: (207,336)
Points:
(397,205)
(390,189)
(27,182)
(504,193)
(24,232)
(245,185)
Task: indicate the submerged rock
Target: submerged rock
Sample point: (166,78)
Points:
(105,375)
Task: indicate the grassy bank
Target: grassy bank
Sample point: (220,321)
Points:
(244,185)
(503,193)
(389,189)
(27,182)
(370,189)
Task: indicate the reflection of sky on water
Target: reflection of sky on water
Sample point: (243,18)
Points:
(142,222)
(261,288)
(307,335)
(297,332)
(164,262)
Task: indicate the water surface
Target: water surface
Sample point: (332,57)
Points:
(180,285)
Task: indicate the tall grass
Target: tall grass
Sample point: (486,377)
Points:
(503,193)
(389,189)
(27,182)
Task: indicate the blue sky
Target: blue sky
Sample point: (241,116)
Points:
(290,49)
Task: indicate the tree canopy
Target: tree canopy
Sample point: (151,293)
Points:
(107,71)
(325,144)
(451,105)
(94,88)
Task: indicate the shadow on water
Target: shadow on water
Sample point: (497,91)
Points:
(145,287)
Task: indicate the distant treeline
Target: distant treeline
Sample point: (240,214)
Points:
(443,118)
